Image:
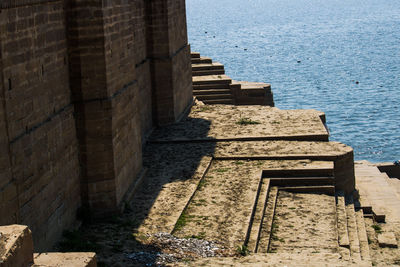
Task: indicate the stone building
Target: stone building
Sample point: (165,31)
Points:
(82,85)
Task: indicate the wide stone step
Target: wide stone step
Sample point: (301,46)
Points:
(210,97)
(352,230)
(201,60)
(211,79)
(326,189)
(394,182)
(211,66)
(267,222)
(260,205)
(211,86)
(313,172)
(211,91)
(219,101)
(362,237)
(304,181)
(207,72)
(343,235)
(194,55)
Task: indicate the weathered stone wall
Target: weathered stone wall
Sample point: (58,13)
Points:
(170,54)
(42,187)
(143,68)
(82,85)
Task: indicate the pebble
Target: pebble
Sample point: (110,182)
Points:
(178,248)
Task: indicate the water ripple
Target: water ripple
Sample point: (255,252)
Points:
(341,57)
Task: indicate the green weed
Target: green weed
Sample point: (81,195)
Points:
(377,228)
(243,250)
(246,121)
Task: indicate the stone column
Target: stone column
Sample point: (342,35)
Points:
(169,52)
(104,89)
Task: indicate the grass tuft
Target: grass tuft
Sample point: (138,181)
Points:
(243,250)
(246,121)
(377,228)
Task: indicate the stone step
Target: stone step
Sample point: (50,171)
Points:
(211,86)
(305,181)
(362,237)
(210,66)
(207,72)
(201,60)
(81,259)
(343,235)
(352,230)
(327,189)
(260,204)
(314,172)
(213,96)
(295,258)
(211,79)
(267,223)
(194,55)
(260,207)
(211,91)
(394,182)
(219,101)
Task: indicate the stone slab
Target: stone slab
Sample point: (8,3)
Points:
(387,239)
(227,122)
(72,259)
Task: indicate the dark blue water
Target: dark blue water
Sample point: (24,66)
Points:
(313,52)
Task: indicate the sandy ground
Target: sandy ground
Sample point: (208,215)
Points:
(220,210)
(304,222)
(222,121)
(272,148)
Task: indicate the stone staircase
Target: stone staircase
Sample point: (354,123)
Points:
(378,191)
(212,86)
(352,234)
(352,241)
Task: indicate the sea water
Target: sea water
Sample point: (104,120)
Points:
(340,57)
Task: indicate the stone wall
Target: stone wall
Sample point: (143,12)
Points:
(41,188)
(170,58)
(82,85)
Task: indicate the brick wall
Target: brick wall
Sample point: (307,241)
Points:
(83,82)
(169,51)
(43,188)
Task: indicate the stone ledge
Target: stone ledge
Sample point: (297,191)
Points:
(73,259)
(226,122)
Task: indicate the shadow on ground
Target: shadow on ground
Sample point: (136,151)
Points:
(116,240)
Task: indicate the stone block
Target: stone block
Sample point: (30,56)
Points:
(387,240)
(73,259)
(16,246)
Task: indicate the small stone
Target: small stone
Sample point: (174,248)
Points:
(387,239)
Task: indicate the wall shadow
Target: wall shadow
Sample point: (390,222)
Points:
(166,161)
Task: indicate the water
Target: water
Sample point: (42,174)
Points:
(313,52)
